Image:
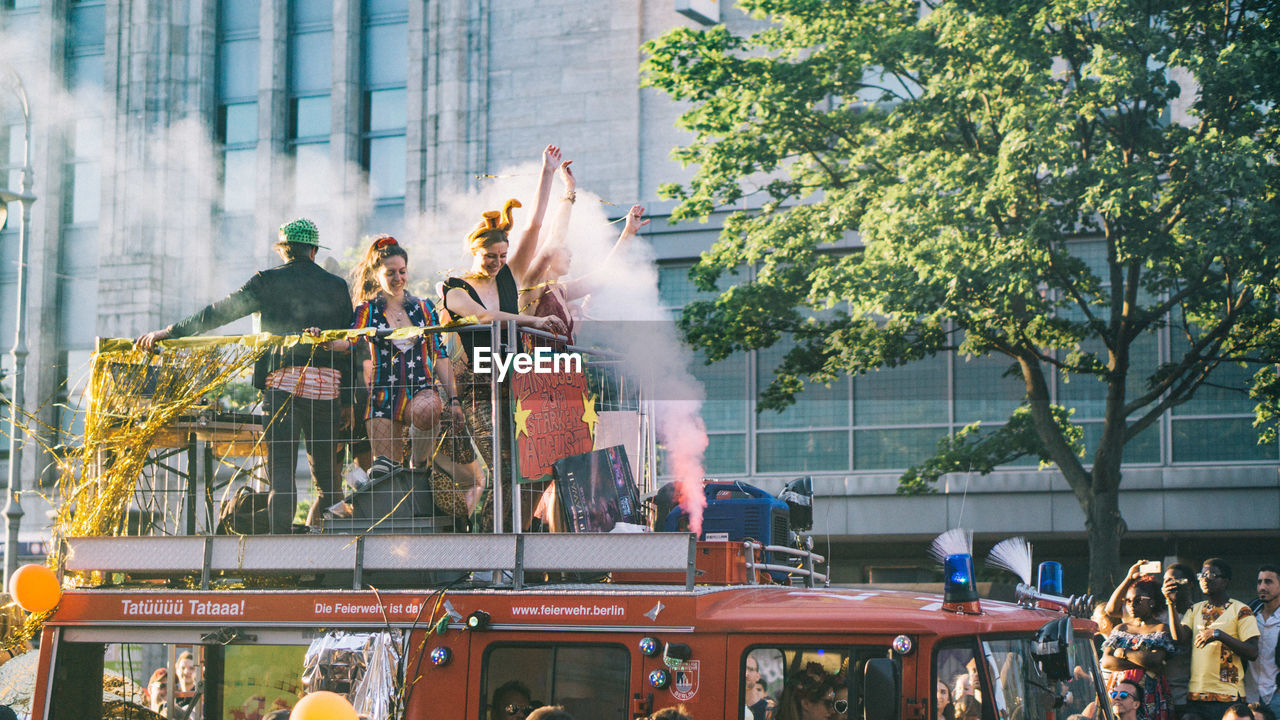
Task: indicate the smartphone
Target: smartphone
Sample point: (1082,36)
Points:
(1150,568)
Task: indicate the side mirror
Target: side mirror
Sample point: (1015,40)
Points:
(881,689)
(1053,649)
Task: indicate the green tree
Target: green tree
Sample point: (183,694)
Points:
(969,144)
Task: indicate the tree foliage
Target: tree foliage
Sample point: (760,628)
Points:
(965,147)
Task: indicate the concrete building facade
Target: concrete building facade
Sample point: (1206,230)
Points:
(172,138)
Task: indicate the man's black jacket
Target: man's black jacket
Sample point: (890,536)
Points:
(289,298)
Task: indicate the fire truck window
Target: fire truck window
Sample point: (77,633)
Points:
(958,688)
(1021,690)
(588,680)
(781,682)
(149,681)
(135,680)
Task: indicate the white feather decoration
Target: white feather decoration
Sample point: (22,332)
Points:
(952,542)
(1013,554)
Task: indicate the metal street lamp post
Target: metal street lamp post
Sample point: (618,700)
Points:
(13,505)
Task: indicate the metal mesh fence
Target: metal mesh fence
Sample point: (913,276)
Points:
(190,441)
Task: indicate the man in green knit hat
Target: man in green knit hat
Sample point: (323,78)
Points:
(303,393)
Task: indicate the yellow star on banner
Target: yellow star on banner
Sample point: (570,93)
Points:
(522,419)
(589,415)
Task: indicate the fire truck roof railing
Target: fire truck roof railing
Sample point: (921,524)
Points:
(180,556)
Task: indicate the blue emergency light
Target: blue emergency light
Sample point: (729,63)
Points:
(1050,577)
(958,585)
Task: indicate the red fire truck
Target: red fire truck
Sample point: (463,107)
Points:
(610,626)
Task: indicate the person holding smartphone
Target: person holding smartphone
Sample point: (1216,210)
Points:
(1224,634)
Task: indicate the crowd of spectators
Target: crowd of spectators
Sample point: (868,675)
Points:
(1165,657)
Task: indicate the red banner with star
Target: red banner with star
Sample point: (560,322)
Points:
(555,417)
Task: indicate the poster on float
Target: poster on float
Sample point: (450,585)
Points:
(596,490)
(554,417)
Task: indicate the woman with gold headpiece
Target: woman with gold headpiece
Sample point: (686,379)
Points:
(489,292)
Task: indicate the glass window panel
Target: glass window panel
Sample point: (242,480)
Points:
(239,172)
(1085,394)
(311,117)
(86,192)
(79,253)
(1088,394)
(1145,448)
(385,7)
(387,166)
(1093,253)
(1225,393)
(387,110)
(386,54)
(71,417)
(25,4)
(725,384)
(310,64)
(386,218)
(11,144)
(238,15)
(240,123)
(9,256)
(311,175)
(913,394)
(677,290)
(983,389)
(726,455)
(87,141)
(77,300)
(238,69)
(307,12)
(815,406)
(894,449)
(1224,440)
(1144,357)
(802,451)
(88,26)
(85,71)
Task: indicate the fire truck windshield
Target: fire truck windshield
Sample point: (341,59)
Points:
(1021,691)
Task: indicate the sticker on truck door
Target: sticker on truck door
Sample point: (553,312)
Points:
(684,685)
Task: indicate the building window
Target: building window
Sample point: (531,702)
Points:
(237,121)
(86,43)
(384,67)
(310,114)
(726,407)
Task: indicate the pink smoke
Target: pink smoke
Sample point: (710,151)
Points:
(682,432)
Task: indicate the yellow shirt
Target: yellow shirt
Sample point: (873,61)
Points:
(1217,674)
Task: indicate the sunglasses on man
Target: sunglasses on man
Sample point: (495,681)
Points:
(1120,695)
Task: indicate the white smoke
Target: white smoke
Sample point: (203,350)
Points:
(624,313)
(160,188)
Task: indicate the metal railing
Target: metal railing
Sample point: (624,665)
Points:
(509,554)
(197,461)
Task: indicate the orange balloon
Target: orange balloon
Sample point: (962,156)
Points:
(35,588)
(323,705)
